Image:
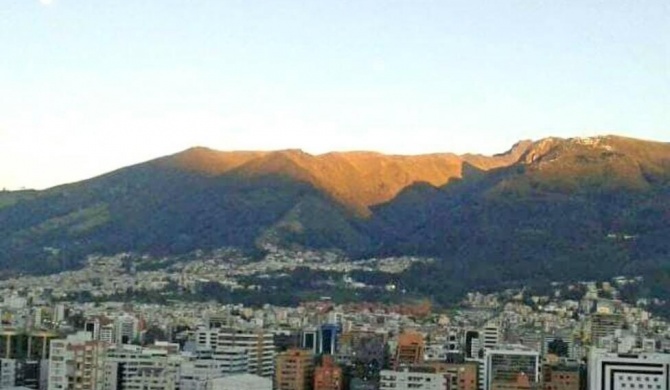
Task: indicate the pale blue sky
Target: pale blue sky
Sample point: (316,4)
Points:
(87,86)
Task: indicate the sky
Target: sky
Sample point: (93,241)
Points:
(89,86)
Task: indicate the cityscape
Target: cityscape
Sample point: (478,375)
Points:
(335,195)
(578,336)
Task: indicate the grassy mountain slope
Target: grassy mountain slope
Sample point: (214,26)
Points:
(576,208)
(202,198)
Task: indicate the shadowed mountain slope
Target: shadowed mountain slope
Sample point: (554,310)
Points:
(555,208)
(575,208)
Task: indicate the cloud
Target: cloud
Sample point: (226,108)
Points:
(46,2)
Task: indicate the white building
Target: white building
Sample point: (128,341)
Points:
(490,336)
(612,371)
(206,338)
(130,367)
(126,329)
(234,360)
(76,362)
(239,382)
(195,374)
(258,344)
(406,380)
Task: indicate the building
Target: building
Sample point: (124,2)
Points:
(31,373)
(328,375)
(364,352)
(258,344)
(310,340)
(7,373)
(197,373)
(410,349)
(511,368)
(76,363)
(459,376)
(410,380)
(240,382)
(603,325)
(613,371)
(491,336)
(558,377)
(126,329)
(328,338)
(206,338)
(22,345)
(472,344)
(130,367)
(294,370)
(233,360)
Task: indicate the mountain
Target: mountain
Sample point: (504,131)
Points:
(568,209)
(202,198)
(357,180)
(546,210)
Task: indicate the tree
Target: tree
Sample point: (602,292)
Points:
(153,334)
(558,347)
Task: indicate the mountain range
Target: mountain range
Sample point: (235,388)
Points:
(554,208)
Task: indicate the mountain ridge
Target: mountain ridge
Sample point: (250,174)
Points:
(538,207)
(358,179)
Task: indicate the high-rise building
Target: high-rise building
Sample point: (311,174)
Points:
(328,338)
(294,370)
(328,375)
(310,339)
(77,363)
(613,371)
(512,368)
(259,345)
(410,349)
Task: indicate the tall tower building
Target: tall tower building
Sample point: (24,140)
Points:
(328,338)
(76,363)
(294,370)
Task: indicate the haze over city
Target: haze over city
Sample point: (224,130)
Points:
(91,87)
